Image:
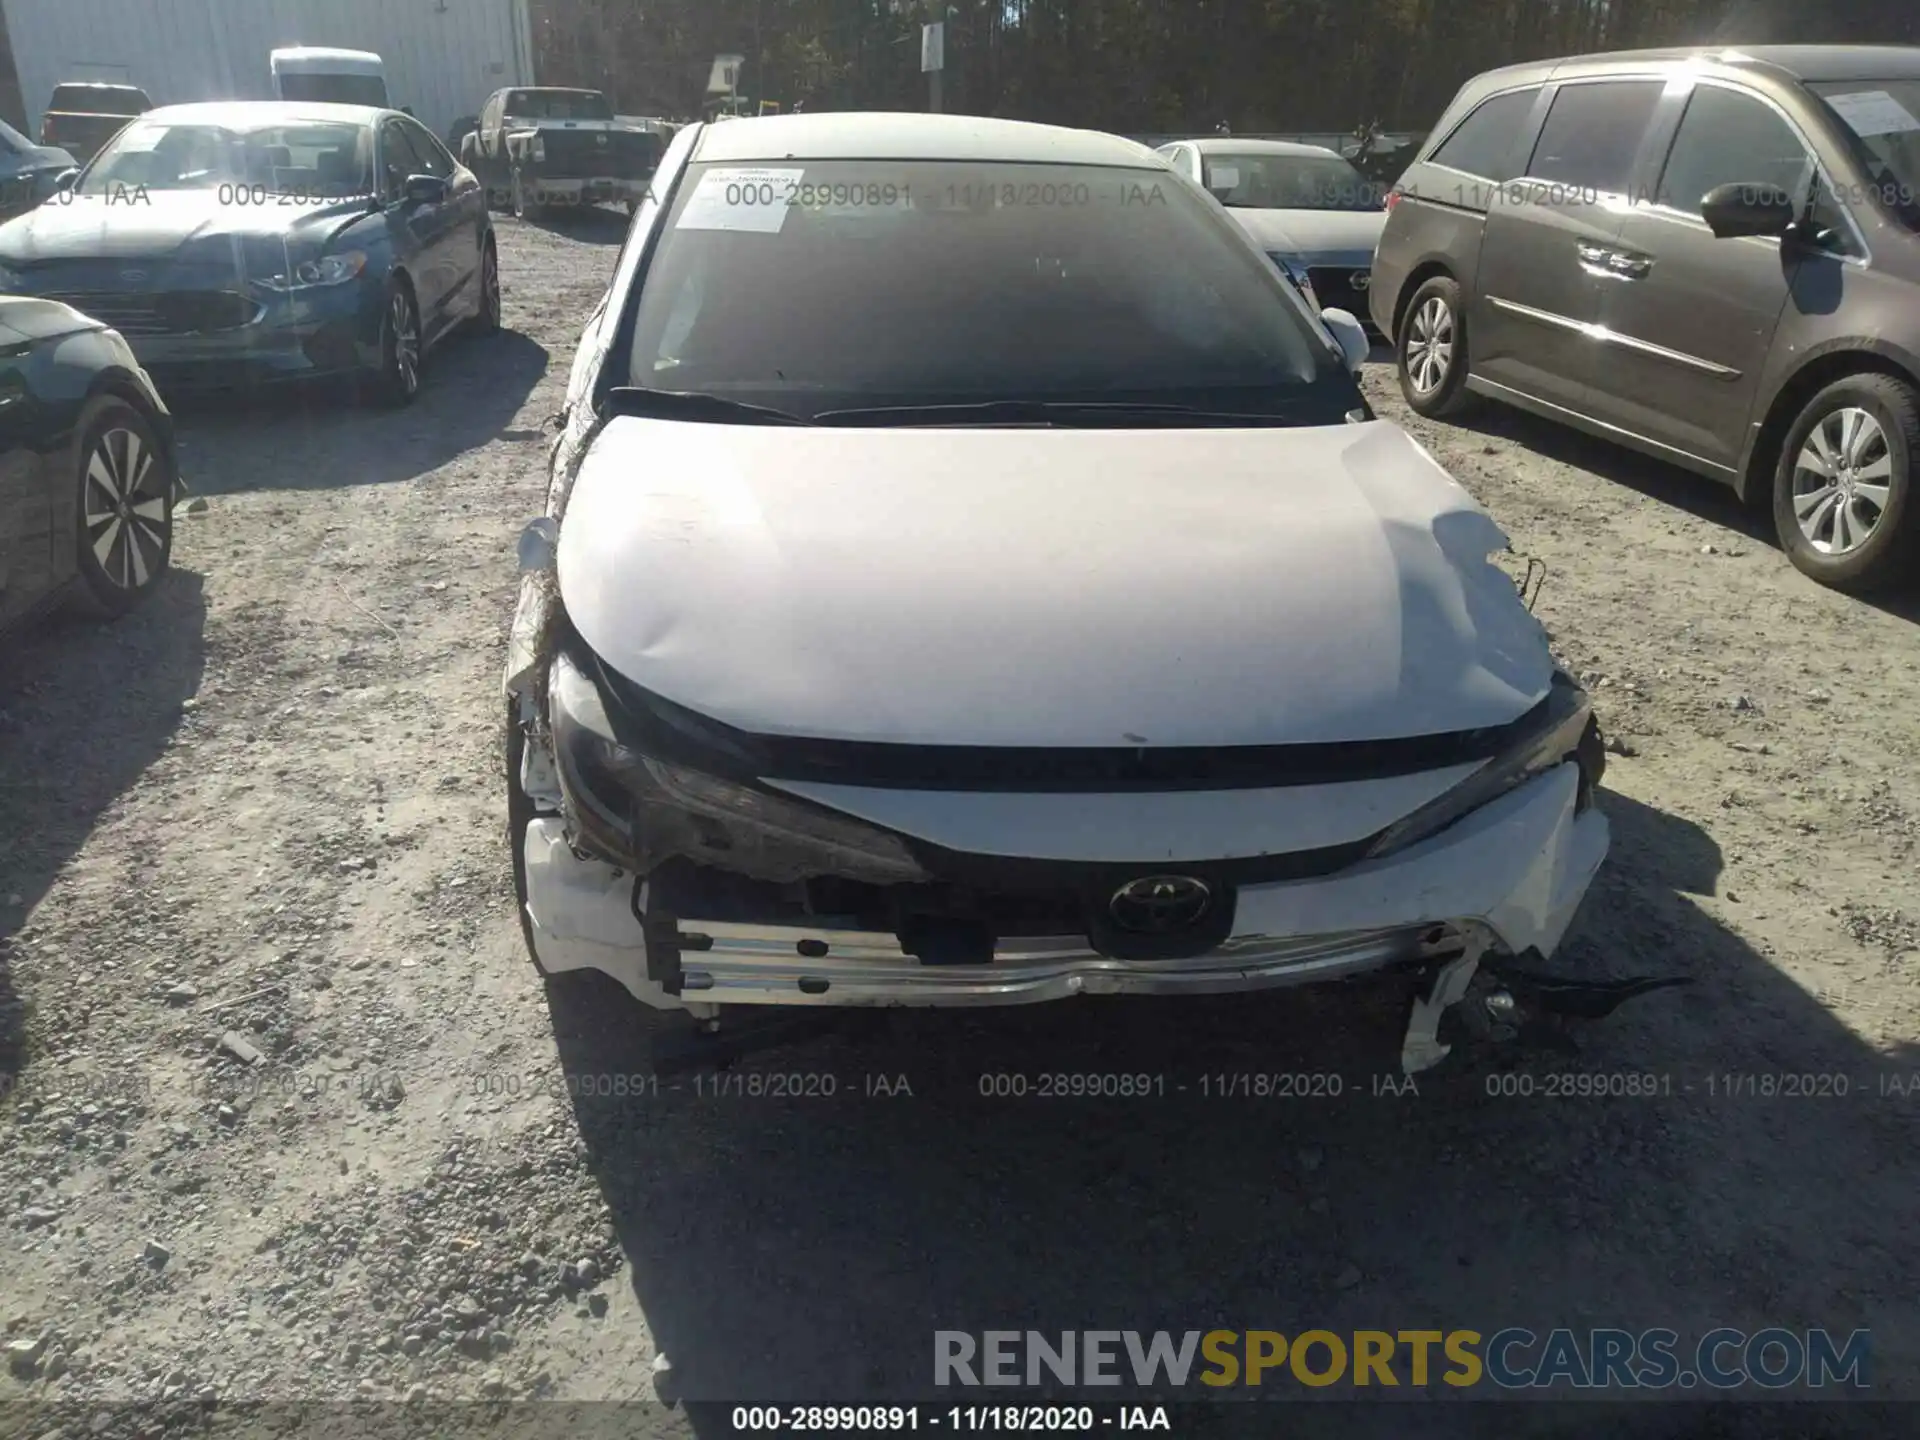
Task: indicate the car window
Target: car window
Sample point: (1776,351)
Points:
(310,158)
(1727,138)
(1593,132)
(433,156)
(853,283)
(1881,122)
(1260,180)
(397,158)
(1485,142)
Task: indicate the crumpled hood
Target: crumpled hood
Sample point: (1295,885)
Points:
(161,226)
(1311,232)
(1047,587)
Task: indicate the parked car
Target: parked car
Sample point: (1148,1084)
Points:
(321,74)
(550,146)
(1316,216)
(458,131)
(1710,256)
(87,468)
(1067,626)
(82,115)
(29,173)
(242,242)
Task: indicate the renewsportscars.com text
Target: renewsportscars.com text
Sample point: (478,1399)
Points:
(1510,1359)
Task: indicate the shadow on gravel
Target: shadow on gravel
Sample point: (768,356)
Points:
(85,708)
(587,224)
(1699,496)
(808,1248)
(317,437)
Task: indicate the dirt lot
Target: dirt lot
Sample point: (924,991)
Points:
(269,805)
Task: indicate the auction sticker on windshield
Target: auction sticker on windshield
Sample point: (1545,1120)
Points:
(1873,112)
(746,198)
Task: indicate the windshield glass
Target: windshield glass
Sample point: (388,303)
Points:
(1290,182)
(558,105)
(97,100)
(334,89)
(1882,118)
(851,284)
(317,158)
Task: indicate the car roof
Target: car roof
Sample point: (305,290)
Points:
(548,90)
(1227,145)
(247,114)
(322,52)
(97,85)
(879,135)
(1814,63)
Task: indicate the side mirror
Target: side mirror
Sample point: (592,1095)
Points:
(65,180)
(425,190)
(1350,335)
(1739,209)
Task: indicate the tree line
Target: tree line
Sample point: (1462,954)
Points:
(1141,66)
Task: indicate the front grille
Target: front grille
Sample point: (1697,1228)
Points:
(1334,288)
(580,155)
(170,312)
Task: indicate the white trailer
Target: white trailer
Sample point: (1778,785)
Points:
(442,57)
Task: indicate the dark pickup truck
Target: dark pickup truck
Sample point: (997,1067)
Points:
(84,115)
(548,146)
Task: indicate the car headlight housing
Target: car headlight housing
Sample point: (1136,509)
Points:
(732,825)
(1558,730)
(318,274)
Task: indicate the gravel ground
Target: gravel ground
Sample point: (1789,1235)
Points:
(292,1118)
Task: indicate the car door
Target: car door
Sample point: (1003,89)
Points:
(465,215)
(1535,309)
(26,515)
(1690,318)
(422,233)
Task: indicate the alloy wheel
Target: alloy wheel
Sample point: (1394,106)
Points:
(125,517)
(1430,345)
(1841,480)
(490,288)
(406,342)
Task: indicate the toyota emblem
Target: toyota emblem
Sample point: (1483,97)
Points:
(133,277)
(1360,279)
(599,139)
(1160,904)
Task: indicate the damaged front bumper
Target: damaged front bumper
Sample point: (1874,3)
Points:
(1506,878)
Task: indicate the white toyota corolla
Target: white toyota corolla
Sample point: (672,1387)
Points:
(972,575)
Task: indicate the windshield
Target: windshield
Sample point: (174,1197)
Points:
(1290,182)
(318,158)
(558,105)
(1882,119)
(334,89)
(853,284)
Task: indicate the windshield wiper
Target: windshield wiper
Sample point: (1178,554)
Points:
(639,401)
(1044,412)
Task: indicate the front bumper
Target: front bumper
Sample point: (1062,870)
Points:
(1512,873)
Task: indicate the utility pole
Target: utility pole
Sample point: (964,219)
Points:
(933,51)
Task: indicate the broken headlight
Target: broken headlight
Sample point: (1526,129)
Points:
(760,831)
(1556,733)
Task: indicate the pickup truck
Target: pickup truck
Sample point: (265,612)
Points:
(83,115)
(536,147)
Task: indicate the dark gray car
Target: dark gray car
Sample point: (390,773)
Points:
(1712,256)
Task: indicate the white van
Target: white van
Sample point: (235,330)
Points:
(342,77)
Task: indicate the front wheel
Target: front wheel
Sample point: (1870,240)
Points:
(486,319)
(125,510)
(1843,489)
(397,380)
(1432,350)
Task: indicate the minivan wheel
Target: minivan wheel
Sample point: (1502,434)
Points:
(1432,348)
(1843,489)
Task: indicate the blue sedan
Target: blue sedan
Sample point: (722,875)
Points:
(245,242)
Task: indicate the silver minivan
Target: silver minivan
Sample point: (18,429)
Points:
(1712,256)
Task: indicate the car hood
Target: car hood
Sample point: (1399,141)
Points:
(1310,232)
(1047,587)
(159,225)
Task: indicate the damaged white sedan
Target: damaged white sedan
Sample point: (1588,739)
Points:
(972,576)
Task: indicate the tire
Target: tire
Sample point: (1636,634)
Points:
(397,381)
(1843,490)
(487,320)
(123,518)
(1431,350)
